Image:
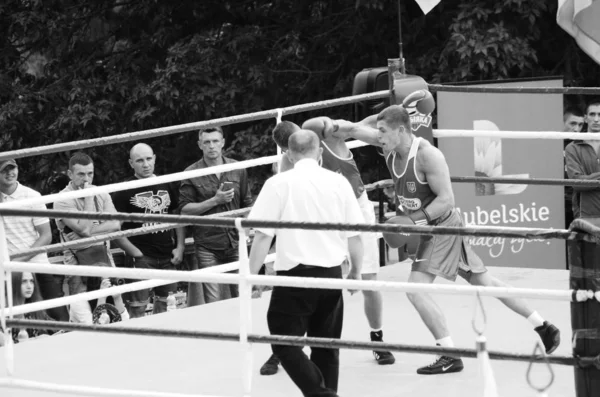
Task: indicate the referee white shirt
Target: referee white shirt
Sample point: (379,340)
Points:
(308,193)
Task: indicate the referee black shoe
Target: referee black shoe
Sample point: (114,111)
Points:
(443,365)
(550,336)
(271,366)
(381,356)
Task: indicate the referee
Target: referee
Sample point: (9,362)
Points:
(307,193)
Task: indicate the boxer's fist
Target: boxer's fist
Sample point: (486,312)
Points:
(398,240)
(324,127)
(422,100)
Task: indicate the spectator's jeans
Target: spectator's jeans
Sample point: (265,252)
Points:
(81,312)
(137,301)
(51,287)
(200,293)
(316,313)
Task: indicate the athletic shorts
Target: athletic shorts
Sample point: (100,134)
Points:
(447,256)
(370,241)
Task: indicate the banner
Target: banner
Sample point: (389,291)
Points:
(494,204)
(580,18)
(427,5)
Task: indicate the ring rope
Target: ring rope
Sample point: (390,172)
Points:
(515,90)
(288,281)
(163,131)
(486,179)
(113,235)
(515,135)
(87,390)
(178,176)
(118,289)
(486,231)
(288,340)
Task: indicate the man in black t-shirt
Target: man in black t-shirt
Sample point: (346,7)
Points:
(155,250)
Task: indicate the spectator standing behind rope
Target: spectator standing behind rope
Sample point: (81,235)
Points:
(573,122)
(81,173)
(583,163)
(162,250)
(207,195)
(23,232)
(308,193)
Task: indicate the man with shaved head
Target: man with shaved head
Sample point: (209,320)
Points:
(161,250)
(308,193)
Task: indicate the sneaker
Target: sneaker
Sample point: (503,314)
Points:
(550,336)
(271,366)
(381,356)
(442,365)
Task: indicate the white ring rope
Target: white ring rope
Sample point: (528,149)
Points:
(377,285)
(178,176)
(88,391)
(175,129)
(118,289)
(515,134)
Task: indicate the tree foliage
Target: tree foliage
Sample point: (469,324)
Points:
(76,70)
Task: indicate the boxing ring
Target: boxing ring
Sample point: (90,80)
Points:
(177,353)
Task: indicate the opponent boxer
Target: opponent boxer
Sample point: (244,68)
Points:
(338,158)
(424,196)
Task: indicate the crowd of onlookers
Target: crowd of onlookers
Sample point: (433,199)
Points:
(157,249)
(164,249)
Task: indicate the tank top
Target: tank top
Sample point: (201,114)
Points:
(345,166)
(412,194)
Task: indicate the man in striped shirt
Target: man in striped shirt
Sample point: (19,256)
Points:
(24,232)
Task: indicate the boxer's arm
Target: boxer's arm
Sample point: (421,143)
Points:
(365,130)
(432,163)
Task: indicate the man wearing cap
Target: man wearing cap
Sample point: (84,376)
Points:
(23,232)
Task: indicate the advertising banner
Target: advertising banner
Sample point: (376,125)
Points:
(508,205)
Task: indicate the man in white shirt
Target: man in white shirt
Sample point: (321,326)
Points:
(23,232)
(308,193)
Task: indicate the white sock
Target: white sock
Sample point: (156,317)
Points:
(535,319)
(376,330)
(445,342)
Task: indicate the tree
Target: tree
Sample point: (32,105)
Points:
(75,70)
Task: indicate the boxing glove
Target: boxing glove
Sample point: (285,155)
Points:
(422,100)
(399,240)
(420,217)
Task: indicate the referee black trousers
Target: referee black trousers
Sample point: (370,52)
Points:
(316,313)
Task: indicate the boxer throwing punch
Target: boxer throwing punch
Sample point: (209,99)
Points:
(424,196)
(337,157)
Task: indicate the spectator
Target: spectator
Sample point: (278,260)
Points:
(25,290)
(81,174)
(24,232)
(106,313)
(308,193)
(582,163)
(573,122)
(161,250)
(208,195)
